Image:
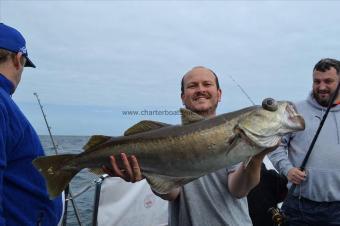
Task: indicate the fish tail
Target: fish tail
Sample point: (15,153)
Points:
(53,170)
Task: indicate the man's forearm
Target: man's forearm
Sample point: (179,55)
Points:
(279,157)
(241,181)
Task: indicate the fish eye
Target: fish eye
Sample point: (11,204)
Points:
(269,104)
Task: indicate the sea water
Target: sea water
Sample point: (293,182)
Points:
(84,202)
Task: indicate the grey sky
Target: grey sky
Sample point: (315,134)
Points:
(97,58)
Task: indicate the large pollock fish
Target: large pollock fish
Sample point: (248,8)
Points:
(173,155)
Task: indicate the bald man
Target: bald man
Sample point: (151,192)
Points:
(217,198)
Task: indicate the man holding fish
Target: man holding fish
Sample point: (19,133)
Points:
(193,165)
(214,199)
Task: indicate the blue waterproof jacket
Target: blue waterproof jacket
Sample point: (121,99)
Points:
(23,195)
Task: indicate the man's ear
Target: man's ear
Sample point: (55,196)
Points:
(17,62)
(182,98)
(219,95)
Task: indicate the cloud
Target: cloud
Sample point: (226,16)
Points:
(133,54)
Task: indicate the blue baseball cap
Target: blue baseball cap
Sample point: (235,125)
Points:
(12,40)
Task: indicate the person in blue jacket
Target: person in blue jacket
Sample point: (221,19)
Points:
(23,195)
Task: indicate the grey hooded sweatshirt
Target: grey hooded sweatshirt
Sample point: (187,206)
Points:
(322,183)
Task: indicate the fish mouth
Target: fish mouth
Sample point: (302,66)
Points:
(295,121)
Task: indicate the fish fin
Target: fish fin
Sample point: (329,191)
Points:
(56,178)
(190,116)
(247,161)
(95,140)
(97,171)
(164,184)
(143,126)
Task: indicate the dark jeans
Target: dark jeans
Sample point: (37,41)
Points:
(305,212)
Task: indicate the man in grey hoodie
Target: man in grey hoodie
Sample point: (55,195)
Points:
(316,199)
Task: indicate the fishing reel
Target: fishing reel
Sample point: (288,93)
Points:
(277,216)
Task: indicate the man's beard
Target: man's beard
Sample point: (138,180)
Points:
(321,101)
(205,113)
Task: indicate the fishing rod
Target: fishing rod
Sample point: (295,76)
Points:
(310,149)
(277,215)
(242,90)
(68,192)
(48,126)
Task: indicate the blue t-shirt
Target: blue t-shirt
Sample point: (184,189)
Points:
(23,194)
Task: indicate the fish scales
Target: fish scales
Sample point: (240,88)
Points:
(171,156)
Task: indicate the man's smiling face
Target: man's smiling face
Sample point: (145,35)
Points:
(324,85)
(200,93)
